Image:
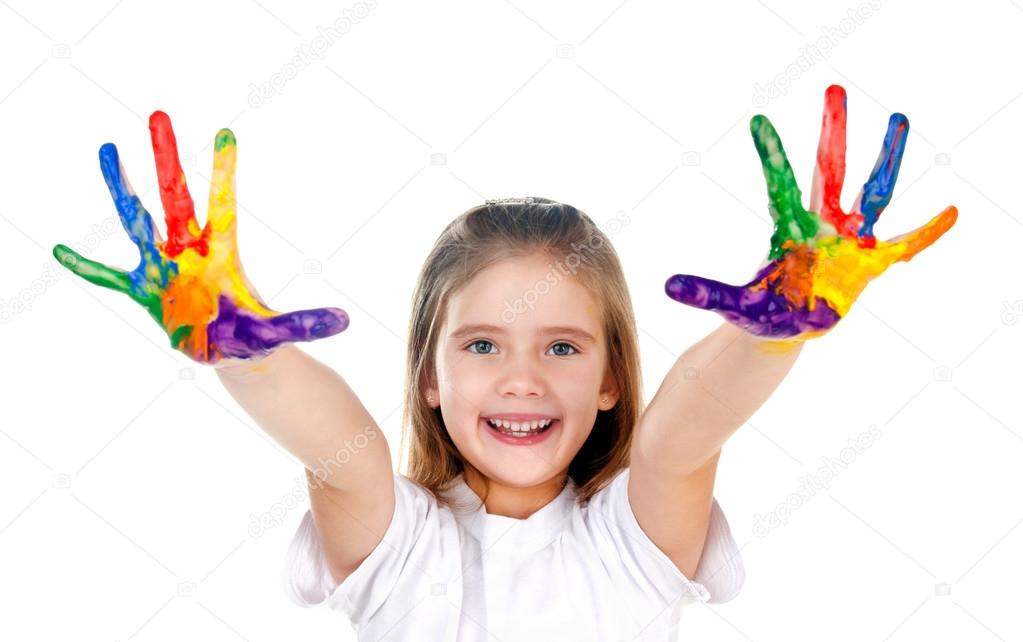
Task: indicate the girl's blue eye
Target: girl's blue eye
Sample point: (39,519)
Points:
(477,343)
(565,344)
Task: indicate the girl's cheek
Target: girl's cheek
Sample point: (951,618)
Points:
(464,371)
(468,378)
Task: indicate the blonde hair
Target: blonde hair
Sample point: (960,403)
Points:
(484,235)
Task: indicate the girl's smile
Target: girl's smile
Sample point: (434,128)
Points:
(520,433)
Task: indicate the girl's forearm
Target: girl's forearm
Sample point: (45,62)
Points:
(312,412)
(710,391)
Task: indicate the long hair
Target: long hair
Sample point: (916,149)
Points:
(480,237)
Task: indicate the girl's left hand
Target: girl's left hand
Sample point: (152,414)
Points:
(820,259)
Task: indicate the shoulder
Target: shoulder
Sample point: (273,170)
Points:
(421,538)
(628,549)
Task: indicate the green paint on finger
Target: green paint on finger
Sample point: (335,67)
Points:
(224,138)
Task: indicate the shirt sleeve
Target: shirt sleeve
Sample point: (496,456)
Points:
(719,575)
(412,543)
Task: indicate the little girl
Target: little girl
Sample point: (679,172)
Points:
(514,521)
(542,500)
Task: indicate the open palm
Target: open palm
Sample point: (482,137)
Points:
(193,284)
(821,259)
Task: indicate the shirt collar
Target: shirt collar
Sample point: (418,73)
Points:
(510,534)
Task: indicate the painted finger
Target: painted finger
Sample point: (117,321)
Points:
(877,191)
(92,271)
(136,220)
(925,235)
(239,334)
(761,312)
(221,213)
(791,221)
(179,210)
(829,173)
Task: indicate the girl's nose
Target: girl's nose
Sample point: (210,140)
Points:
(523,377)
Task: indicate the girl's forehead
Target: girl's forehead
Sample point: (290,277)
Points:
(533,277)
(513,290)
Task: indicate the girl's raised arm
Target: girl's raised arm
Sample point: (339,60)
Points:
(820,261)
(313,413)
(193,285)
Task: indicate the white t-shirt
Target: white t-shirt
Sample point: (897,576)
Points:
(564,573)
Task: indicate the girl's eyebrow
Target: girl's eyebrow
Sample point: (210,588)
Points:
(475,328)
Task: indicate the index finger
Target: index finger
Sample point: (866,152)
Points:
(220,216)
(877,191)
(134,217)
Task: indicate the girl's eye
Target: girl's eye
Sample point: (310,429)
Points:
(567,345)
(478,342)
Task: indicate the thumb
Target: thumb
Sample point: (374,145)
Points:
(706,294)
(242,334)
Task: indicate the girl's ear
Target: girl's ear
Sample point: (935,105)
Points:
(432,397)
(607,400)
(431,393)
(609,393)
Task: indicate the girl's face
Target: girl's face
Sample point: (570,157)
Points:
(522,338)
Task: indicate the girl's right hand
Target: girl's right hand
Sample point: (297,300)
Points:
(193,284)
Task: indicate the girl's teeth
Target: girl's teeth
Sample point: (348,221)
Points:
(520,426)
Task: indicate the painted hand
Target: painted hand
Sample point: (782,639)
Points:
(193,284)
(822,259)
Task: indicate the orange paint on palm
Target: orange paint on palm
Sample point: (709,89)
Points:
(792,275)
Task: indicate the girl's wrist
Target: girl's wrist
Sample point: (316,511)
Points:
(777,346)
(235,368)
(767,345)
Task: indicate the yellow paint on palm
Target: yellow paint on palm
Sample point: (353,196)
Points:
(843,269)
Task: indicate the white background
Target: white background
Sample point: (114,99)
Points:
(128,477)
